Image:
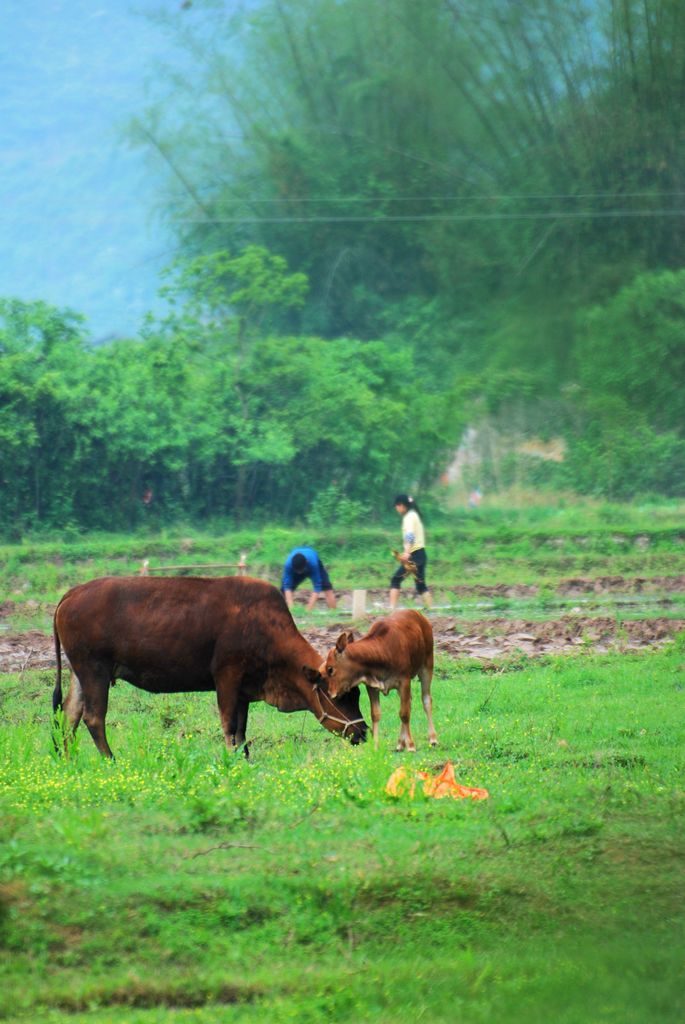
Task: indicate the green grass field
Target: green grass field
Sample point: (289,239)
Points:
(531,545)
(183,884)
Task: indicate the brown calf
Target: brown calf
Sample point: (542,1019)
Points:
(394,650)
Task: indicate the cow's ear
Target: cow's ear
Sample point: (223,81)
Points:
(312,675)
(341,643)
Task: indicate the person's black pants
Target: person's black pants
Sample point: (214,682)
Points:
(420,559)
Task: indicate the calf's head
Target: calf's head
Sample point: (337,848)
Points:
(340,673)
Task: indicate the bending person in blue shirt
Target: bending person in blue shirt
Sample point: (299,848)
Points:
(301,564)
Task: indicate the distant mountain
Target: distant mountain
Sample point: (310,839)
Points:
(77,227)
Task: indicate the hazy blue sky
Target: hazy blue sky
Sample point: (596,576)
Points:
(76,221)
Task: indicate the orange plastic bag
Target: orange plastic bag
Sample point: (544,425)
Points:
(444,784)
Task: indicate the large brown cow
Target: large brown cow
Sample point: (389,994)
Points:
(394,650)
(174,635)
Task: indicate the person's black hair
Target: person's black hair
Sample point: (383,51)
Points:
(407,501)
(299,563)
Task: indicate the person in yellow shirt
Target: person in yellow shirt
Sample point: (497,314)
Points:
(413,547)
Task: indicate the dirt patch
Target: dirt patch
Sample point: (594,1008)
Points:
(572,587)
(495,637)
(492,638)
(622,585)
(484,639)
(19,651)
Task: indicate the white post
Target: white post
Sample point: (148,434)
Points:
(358,603)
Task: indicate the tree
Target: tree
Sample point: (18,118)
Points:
(227,302)
(449,154)
(628,434)
(41,355)
(633,348)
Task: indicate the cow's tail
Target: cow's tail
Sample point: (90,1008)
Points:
(57,692)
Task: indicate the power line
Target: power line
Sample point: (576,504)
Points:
(452,217)
(19,216)
(450,199)
(413,217)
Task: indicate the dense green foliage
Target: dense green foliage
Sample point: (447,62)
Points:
(413,152)
(181,884)
(210,414)
(630,360)
(391,223)
(495,185)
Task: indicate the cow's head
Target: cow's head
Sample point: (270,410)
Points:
(341,715)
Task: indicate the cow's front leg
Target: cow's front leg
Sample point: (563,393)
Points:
(405,742)
(239,722)
(228,698)
(375,704)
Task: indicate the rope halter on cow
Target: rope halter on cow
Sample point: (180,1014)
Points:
(347,722)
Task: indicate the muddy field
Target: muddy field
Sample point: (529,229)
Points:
(485,639)
(491,638)
(573,587)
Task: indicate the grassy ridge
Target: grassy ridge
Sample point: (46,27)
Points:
(491,546)
(182,884)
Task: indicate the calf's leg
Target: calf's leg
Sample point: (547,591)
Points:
(405,742)
(426,677)
(375,703)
